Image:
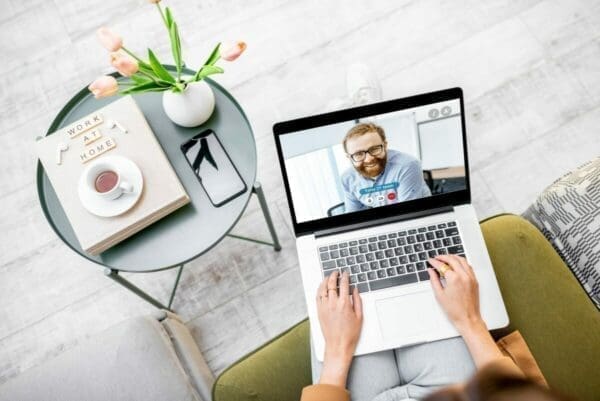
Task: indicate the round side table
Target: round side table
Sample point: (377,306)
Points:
(191,230)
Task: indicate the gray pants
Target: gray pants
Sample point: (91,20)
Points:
(406,373)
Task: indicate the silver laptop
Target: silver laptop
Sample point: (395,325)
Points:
(376,190)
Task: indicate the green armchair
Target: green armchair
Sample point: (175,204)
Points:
(544,300)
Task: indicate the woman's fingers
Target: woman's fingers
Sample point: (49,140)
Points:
(332,286)
(461,265)
(357,303)
(322,290)
(332,281)
(435,282)
(467,266)
(439,266)
(453,262)
(345,285)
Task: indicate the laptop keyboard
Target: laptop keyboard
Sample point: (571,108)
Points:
(392,259)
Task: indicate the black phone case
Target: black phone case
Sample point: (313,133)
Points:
(189,143)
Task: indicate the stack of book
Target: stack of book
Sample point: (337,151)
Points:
(116,129)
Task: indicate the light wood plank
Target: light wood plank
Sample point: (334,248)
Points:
(517,178)
(27,34)
(22,226)
(208,282)
(478,64)
(279,303)
(37,88)
(257,264)
(522,109)
(584,63)
(19,162)
(562,26)
(484,201)
(227,333)
(38,290)
(82,18)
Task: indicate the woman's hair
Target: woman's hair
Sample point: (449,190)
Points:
(491,385)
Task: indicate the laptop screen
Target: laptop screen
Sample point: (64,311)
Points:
(375,161)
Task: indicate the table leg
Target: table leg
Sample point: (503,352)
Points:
(175,286)
(257,190)
(114,274)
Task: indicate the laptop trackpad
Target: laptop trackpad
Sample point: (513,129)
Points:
(412,317)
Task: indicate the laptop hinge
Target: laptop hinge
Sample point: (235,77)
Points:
(385,220)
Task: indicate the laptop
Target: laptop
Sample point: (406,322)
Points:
(376,190)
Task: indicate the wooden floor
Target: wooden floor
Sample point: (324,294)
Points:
(531,74)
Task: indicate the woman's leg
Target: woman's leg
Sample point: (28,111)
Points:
(369,374)
(427,367)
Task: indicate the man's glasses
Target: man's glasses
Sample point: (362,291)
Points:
(361,154)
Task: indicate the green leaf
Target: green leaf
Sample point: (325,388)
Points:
(145,87)
(148,73)
(206,71)
(214,56)
(146,68)
(169,17)
(212,59)
(175,46)
(158,68)
(160,82)
(127,92)
(143,64)
(140,79)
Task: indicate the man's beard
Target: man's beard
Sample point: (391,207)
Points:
(375,170)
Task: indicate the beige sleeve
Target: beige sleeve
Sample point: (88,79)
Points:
(515,347)
(324,392)
(506,366)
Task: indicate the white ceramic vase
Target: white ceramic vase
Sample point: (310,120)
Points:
(191,107)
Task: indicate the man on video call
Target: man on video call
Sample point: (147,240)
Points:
(380,176)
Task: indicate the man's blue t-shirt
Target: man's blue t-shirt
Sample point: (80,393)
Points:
(401,180)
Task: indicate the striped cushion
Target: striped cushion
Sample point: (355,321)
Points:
(568,214)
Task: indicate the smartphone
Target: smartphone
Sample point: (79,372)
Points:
(212,165)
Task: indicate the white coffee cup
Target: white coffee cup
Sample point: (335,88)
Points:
(104,180)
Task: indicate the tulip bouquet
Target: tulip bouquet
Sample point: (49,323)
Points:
(151,75)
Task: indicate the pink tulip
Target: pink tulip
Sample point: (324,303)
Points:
(232,51)
(104,86)
(110,40)
(126,65)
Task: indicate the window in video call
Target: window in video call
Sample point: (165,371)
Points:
(375,161)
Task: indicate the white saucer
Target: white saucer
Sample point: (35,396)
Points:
(129,172)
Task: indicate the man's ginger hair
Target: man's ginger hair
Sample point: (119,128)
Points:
(361,129)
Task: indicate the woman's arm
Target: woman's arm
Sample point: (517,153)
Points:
(340,316)
(481,345)
(459,298)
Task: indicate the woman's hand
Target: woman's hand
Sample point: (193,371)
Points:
(340,316)
(459,297)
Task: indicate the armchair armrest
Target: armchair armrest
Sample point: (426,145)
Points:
(275,372)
